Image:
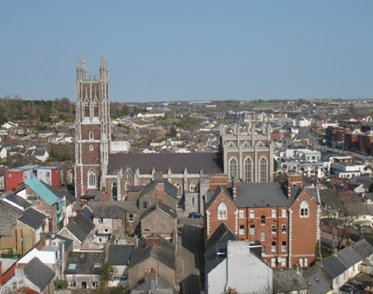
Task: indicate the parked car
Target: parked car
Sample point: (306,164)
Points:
(195,215)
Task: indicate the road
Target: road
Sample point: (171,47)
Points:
(190,269)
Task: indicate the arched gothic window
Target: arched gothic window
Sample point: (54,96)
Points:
(231,145)
(126,185)
(283,230)
(246,145)
(304,209)
(86,109)
(95,109)
(260,144)
(274,229)
(263,170)
(91,179)
(114,192)
(233,168)
(193,187)
(91,136)
(248,165)
(222,211)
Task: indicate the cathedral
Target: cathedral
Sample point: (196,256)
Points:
(245,153)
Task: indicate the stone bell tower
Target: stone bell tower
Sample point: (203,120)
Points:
(92,129)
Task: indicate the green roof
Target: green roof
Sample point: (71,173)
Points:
(42,191)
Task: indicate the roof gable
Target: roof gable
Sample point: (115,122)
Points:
(38,273)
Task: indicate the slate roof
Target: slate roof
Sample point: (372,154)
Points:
(319,282)
(151,286)
(42,191)
(333,266)
(363,248)
(33,218)
(349,256)
(216,194)
(217,242)
(169,188)
(19,201)
(165,253)
(162,207)
(129,206)
(264,194)
(80,227)
(288,281)
(177,162)
(38,273)
(85,263)
(120,254)
(6,223)
(111,211)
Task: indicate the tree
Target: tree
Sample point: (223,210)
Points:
(106,271)
(173,131)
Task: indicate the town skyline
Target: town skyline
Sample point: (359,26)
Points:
(190,51)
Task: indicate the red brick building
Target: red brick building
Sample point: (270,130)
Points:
(283,217)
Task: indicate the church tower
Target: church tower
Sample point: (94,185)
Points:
(92,129)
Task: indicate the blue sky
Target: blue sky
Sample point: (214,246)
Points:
(189,50)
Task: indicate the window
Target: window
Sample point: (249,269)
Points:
(222,211)
(145,205)
(304,209)
(94,285)
(242,214)
(193,187)
(273,213)
(263,170)
(192,201)
(72,284)
(284,212)
(130,218)
(91,136)
(283,246)
(100,220)
(86,109)
(274,229)
(84,285)
(47,174)
(306,261)
(242,230)
(248,170)
(91,147)
(273,248)
(245,145)
(231,145)
(91,179)
(263,220)
(233,168)
(273,262)
(283,229)
(126,185)
(95,109)
(252,229)
(114,192)
(262,236)
(252,213)
(106,230)
(301,262)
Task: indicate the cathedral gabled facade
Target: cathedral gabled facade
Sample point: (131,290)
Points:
(245,154)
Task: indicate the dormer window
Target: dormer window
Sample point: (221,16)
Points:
(304,209)
(222,211)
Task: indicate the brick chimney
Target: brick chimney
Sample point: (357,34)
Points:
(234,189)
(160,190)
(152,240)
(293,179)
